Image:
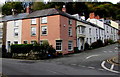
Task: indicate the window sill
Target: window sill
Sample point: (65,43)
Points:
(33,24)
(33,35)
(59,50)
(43,23)
(44,35)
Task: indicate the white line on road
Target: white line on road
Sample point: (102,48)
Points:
(103,65)
(110,51)
(112,67)
(90,56)
(101,69)
(91,67)
(104,51)
(73,64)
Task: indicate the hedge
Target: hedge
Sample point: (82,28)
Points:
(21,48)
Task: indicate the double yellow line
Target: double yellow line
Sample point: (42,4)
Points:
(111,61)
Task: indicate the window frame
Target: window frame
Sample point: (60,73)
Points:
(70,31)
(44,20)
(16,32)
(33,32)
(33,21)
(16,24)
(25,41)
(70,42)
(70,21)
(42,30)
(60,41)
(15,41)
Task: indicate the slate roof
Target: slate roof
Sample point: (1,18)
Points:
(14,17)
(49,12)
(89,23)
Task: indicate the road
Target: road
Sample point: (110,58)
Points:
(89,62)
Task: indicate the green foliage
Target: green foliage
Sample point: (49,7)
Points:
(110,41)
(118,17)
(43,51)
(7,8)
(103,9)
(105,42)
(94,45)
(87,46)
(21,48)
(97,44)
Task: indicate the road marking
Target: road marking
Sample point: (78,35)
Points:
(116,48)
(90,56)
(73,64)
(51,71)
(103,65)
(110,51)
(104,51)
(91,67)
(112,67)
(101,69)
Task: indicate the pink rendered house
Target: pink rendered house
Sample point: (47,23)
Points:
(53,25)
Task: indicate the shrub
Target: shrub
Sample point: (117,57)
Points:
(21,48)
(110,41)
(94,45)
(105,42)
(97,44)
(100,43)
(87,46)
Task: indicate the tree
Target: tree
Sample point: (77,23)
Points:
(7,8)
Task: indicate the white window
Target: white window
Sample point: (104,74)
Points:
(16,23)
(44,20)
(43,41)
(15,42)
(25,42)
(33,42)
(16,32)
(58,45)
(33,31)
(8,44)
(70,31)
(70,21)
(44,30)
(83,30)
(33,21)
(70,45)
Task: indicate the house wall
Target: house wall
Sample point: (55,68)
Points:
(1,33)
(26,30)
(64,27)
(10,32)
(53,28)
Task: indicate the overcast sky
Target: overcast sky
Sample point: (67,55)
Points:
(113,1)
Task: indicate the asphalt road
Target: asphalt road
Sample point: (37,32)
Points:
(84,63)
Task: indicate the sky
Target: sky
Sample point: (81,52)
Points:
(113,1)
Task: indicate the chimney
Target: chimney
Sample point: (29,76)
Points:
(13,11)
(27,9)
(97,17)
(64,8)
(92,15)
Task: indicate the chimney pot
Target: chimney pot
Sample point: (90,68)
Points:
(27,9)
(64,8)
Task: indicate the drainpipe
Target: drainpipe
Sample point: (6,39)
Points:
(38,30)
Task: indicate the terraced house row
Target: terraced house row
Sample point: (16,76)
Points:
(62,30)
